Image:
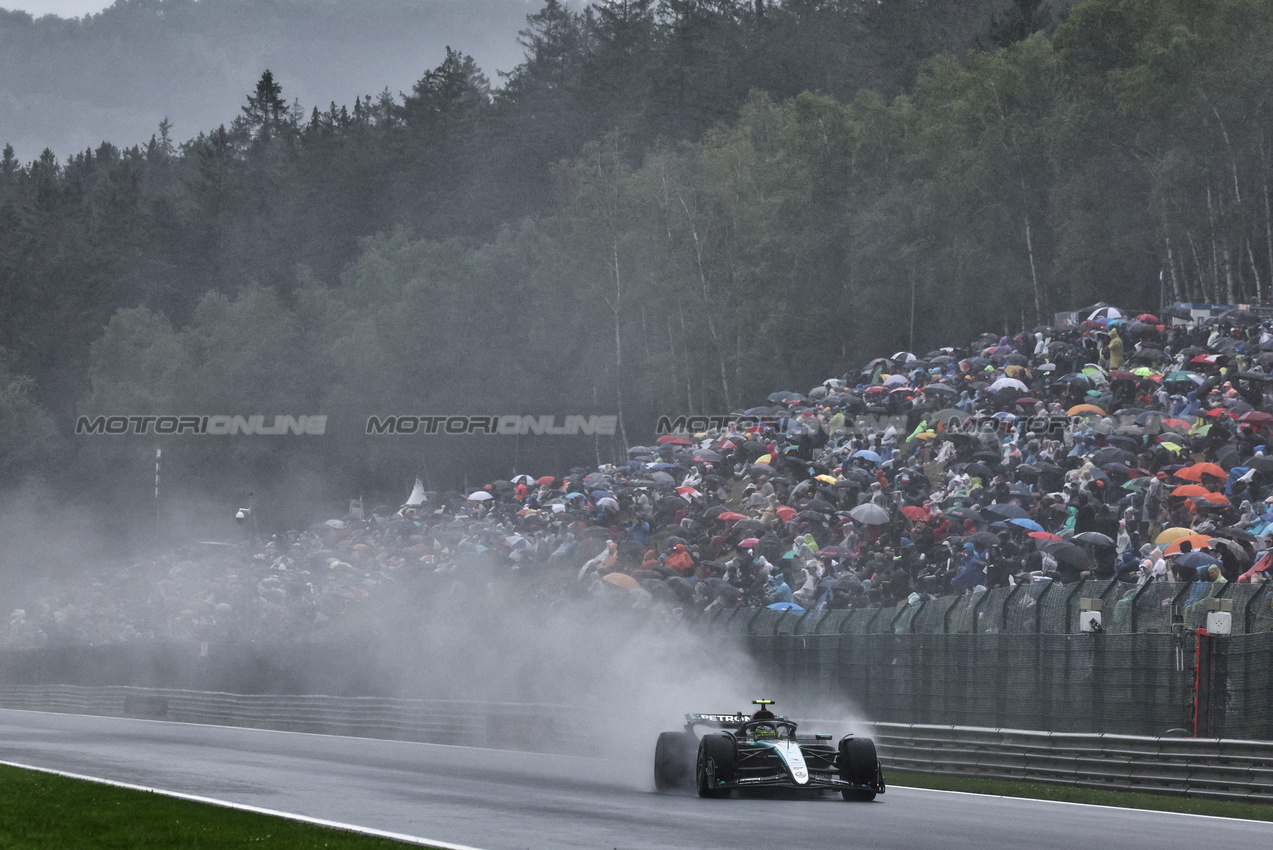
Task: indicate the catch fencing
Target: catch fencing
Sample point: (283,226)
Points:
(1218,769)
(1014,658)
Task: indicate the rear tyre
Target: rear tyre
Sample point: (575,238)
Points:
(673,761)
(716,760)
(860,765)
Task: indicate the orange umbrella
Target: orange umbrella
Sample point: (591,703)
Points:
(1191,490)
(1198,541)
(1214,498)
(1195,472)
(785,512)
(1084,408)
(621,580)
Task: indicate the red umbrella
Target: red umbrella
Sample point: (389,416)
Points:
(1256,417)
(1147,318)
(915,513)
(545,481)
(675,440)
(1045,535)
(748,542)
(731,516)
(785,512)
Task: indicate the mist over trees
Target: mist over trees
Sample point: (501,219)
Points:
(665,208)
(69,84)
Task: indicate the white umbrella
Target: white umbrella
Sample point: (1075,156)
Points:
(480,496)
(417,494)
(870,513)
(1008,384)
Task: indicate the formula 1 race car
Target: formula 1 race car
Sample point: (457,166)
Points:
(763,751)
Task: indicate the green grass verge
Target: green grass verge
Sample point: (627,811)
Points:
(41,810)
(1070,794)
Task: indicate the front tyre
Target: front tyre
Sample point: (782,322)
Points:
(715,763)
(673,761)
(860,766)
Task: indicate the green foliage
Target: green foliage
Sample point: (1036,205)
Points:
(651,216)
(29,439)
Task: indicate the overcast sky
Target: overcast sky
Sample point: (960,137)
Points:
(62,8)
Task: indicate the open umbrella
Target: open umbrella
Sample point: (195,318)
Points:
(1195,559)
(1006,511)
(870,514)
(620,580)
(1067,553)
(1044,535)
(1195,472)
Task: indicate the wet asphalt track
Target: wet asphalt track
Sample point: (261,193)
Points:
(495,799)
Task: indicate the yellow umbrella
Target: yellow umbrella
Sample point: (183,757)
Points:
(765,459)
(827,478)
(1171,535)
(620,580)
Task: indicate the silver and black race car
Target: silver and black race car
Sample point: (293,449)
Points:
(736,752)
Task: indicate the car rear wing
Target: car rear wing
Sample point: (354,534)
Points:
(717,721)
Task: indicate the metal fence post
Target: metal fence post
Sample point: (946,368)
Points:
(945,625)
(910,627)
(976,608)
(1038,606)
(1078,587)
(1003,610)
(1250,606)
(1135,605)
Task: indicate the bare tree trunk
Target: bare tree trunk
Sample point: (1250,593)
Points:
(1200,271)
(705,293)
(1226,262)
(1255,274)
(617,309)
(1034,275)
(1268,224)
(1171,267)
(1215,249)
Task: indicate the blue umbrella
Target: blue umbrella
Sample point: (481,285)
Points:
(784,606)
(868,454)
(1026,523)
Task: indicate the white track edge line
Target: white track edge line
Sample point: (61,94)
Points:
(244,807)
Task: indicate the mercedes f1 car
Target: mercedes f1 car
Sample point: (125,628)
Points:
(736,752)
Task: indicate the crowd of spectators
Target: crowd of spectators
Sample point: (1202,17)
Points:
(1123,448)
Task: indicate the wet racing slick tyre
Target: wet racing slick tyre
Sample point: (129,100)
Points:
(673,761)
(716,760)
(859,765)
